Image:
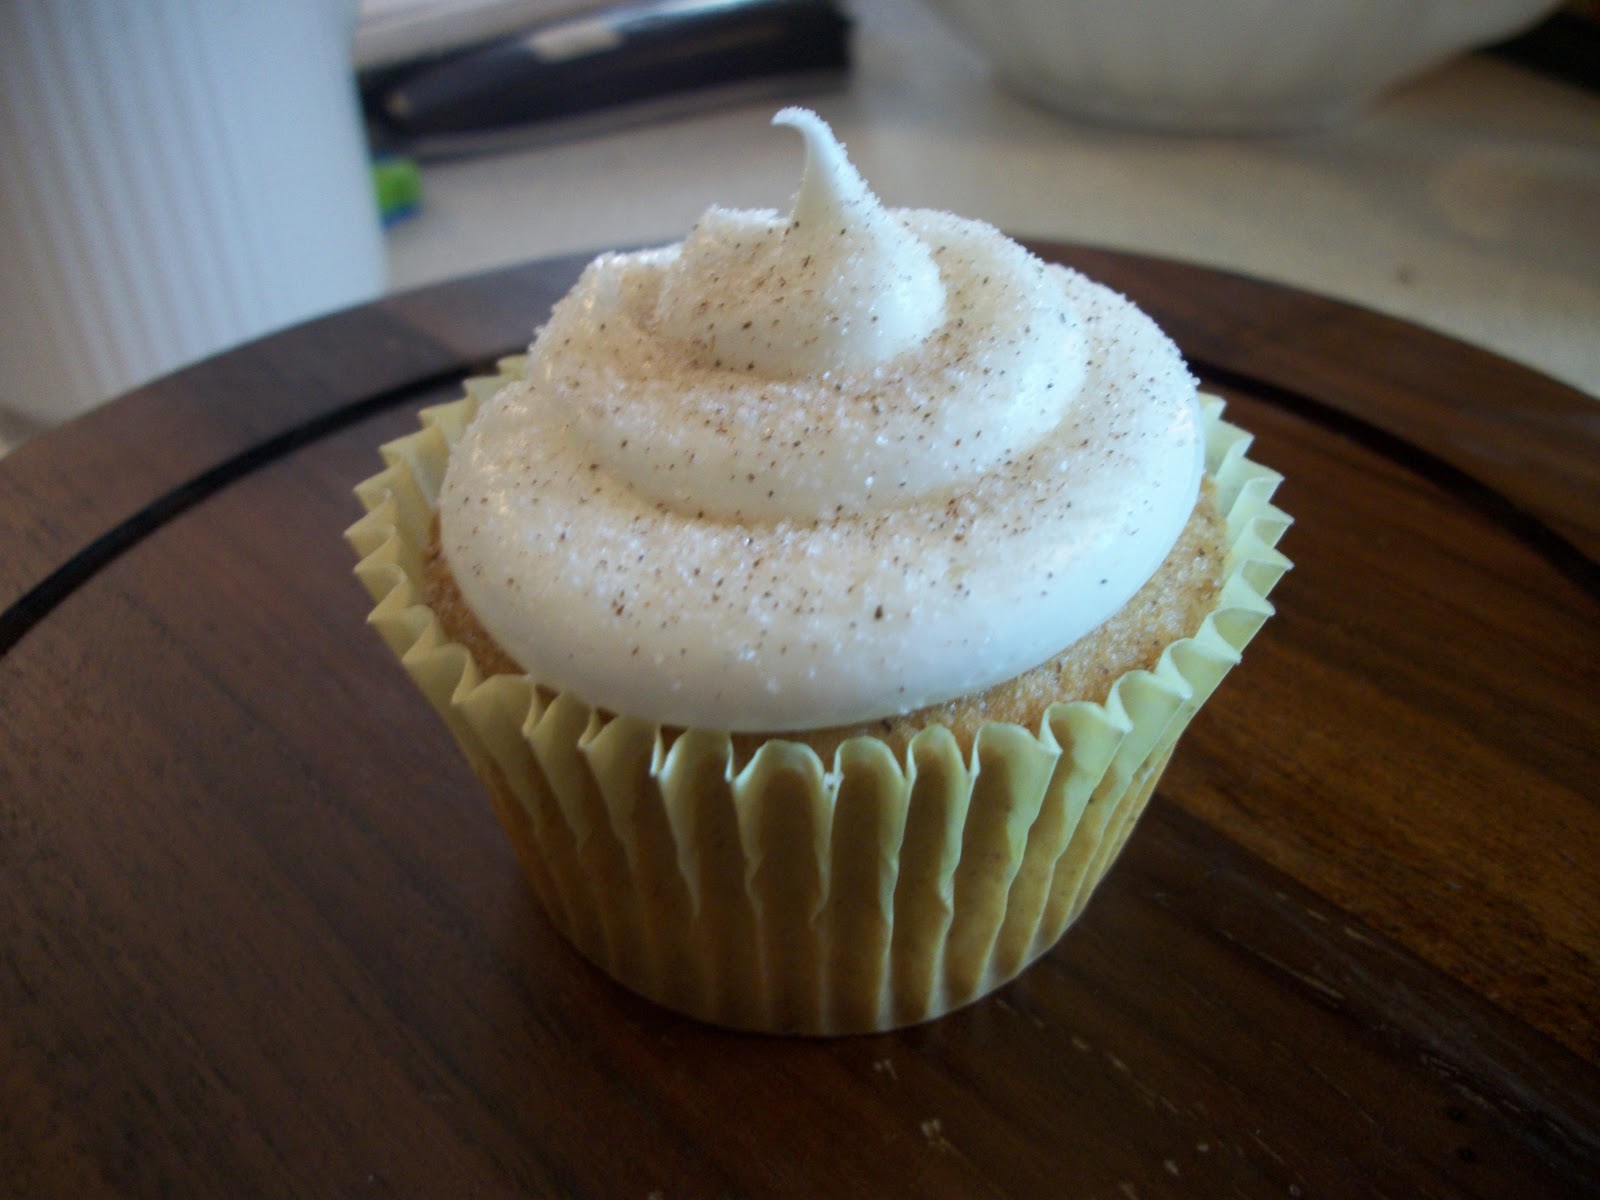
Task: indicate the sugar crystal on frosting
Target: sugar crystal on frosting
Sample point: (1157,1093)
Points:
(810,469)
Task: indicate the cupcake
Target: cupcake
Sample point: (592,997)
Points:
(820,599)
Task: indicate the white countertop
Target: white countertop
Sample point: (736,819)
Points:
(1468,201)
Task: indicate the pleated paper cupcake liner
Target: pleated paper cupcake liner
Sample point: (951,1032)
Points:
(788,894)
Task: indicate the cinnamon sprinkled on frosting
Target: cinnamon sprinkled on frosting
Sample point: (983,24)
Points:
(800,471)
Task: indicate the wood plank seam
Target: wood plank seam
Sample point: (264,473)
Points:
(1527,527)
(40,600)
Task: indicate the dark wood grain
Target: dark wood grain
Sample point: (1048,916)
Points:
(263,936)
(1502,426)
(172,441)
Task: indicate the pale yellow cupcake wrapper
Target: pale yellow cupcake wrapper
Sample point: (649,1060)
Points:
(793,895)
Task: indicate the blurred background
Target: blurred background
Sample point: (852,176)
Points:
(178,176)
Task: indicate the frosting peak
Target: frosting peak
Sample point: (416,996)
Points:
(840,285)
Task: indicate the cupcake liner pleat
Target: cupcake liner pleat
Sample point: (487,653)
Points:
(793,895)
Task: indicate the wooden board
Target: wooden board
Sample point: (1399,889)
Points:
(263,936)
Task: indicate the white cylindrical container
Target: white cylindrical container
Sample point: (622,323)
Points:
(176,177)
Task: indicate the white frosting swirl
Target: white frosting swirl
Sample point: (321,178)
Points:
(809,470)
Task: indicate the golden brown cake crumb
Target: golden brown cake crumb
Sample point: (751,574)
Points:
(1170,606)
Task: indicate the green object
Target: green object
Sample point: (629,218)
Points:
(397,183)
